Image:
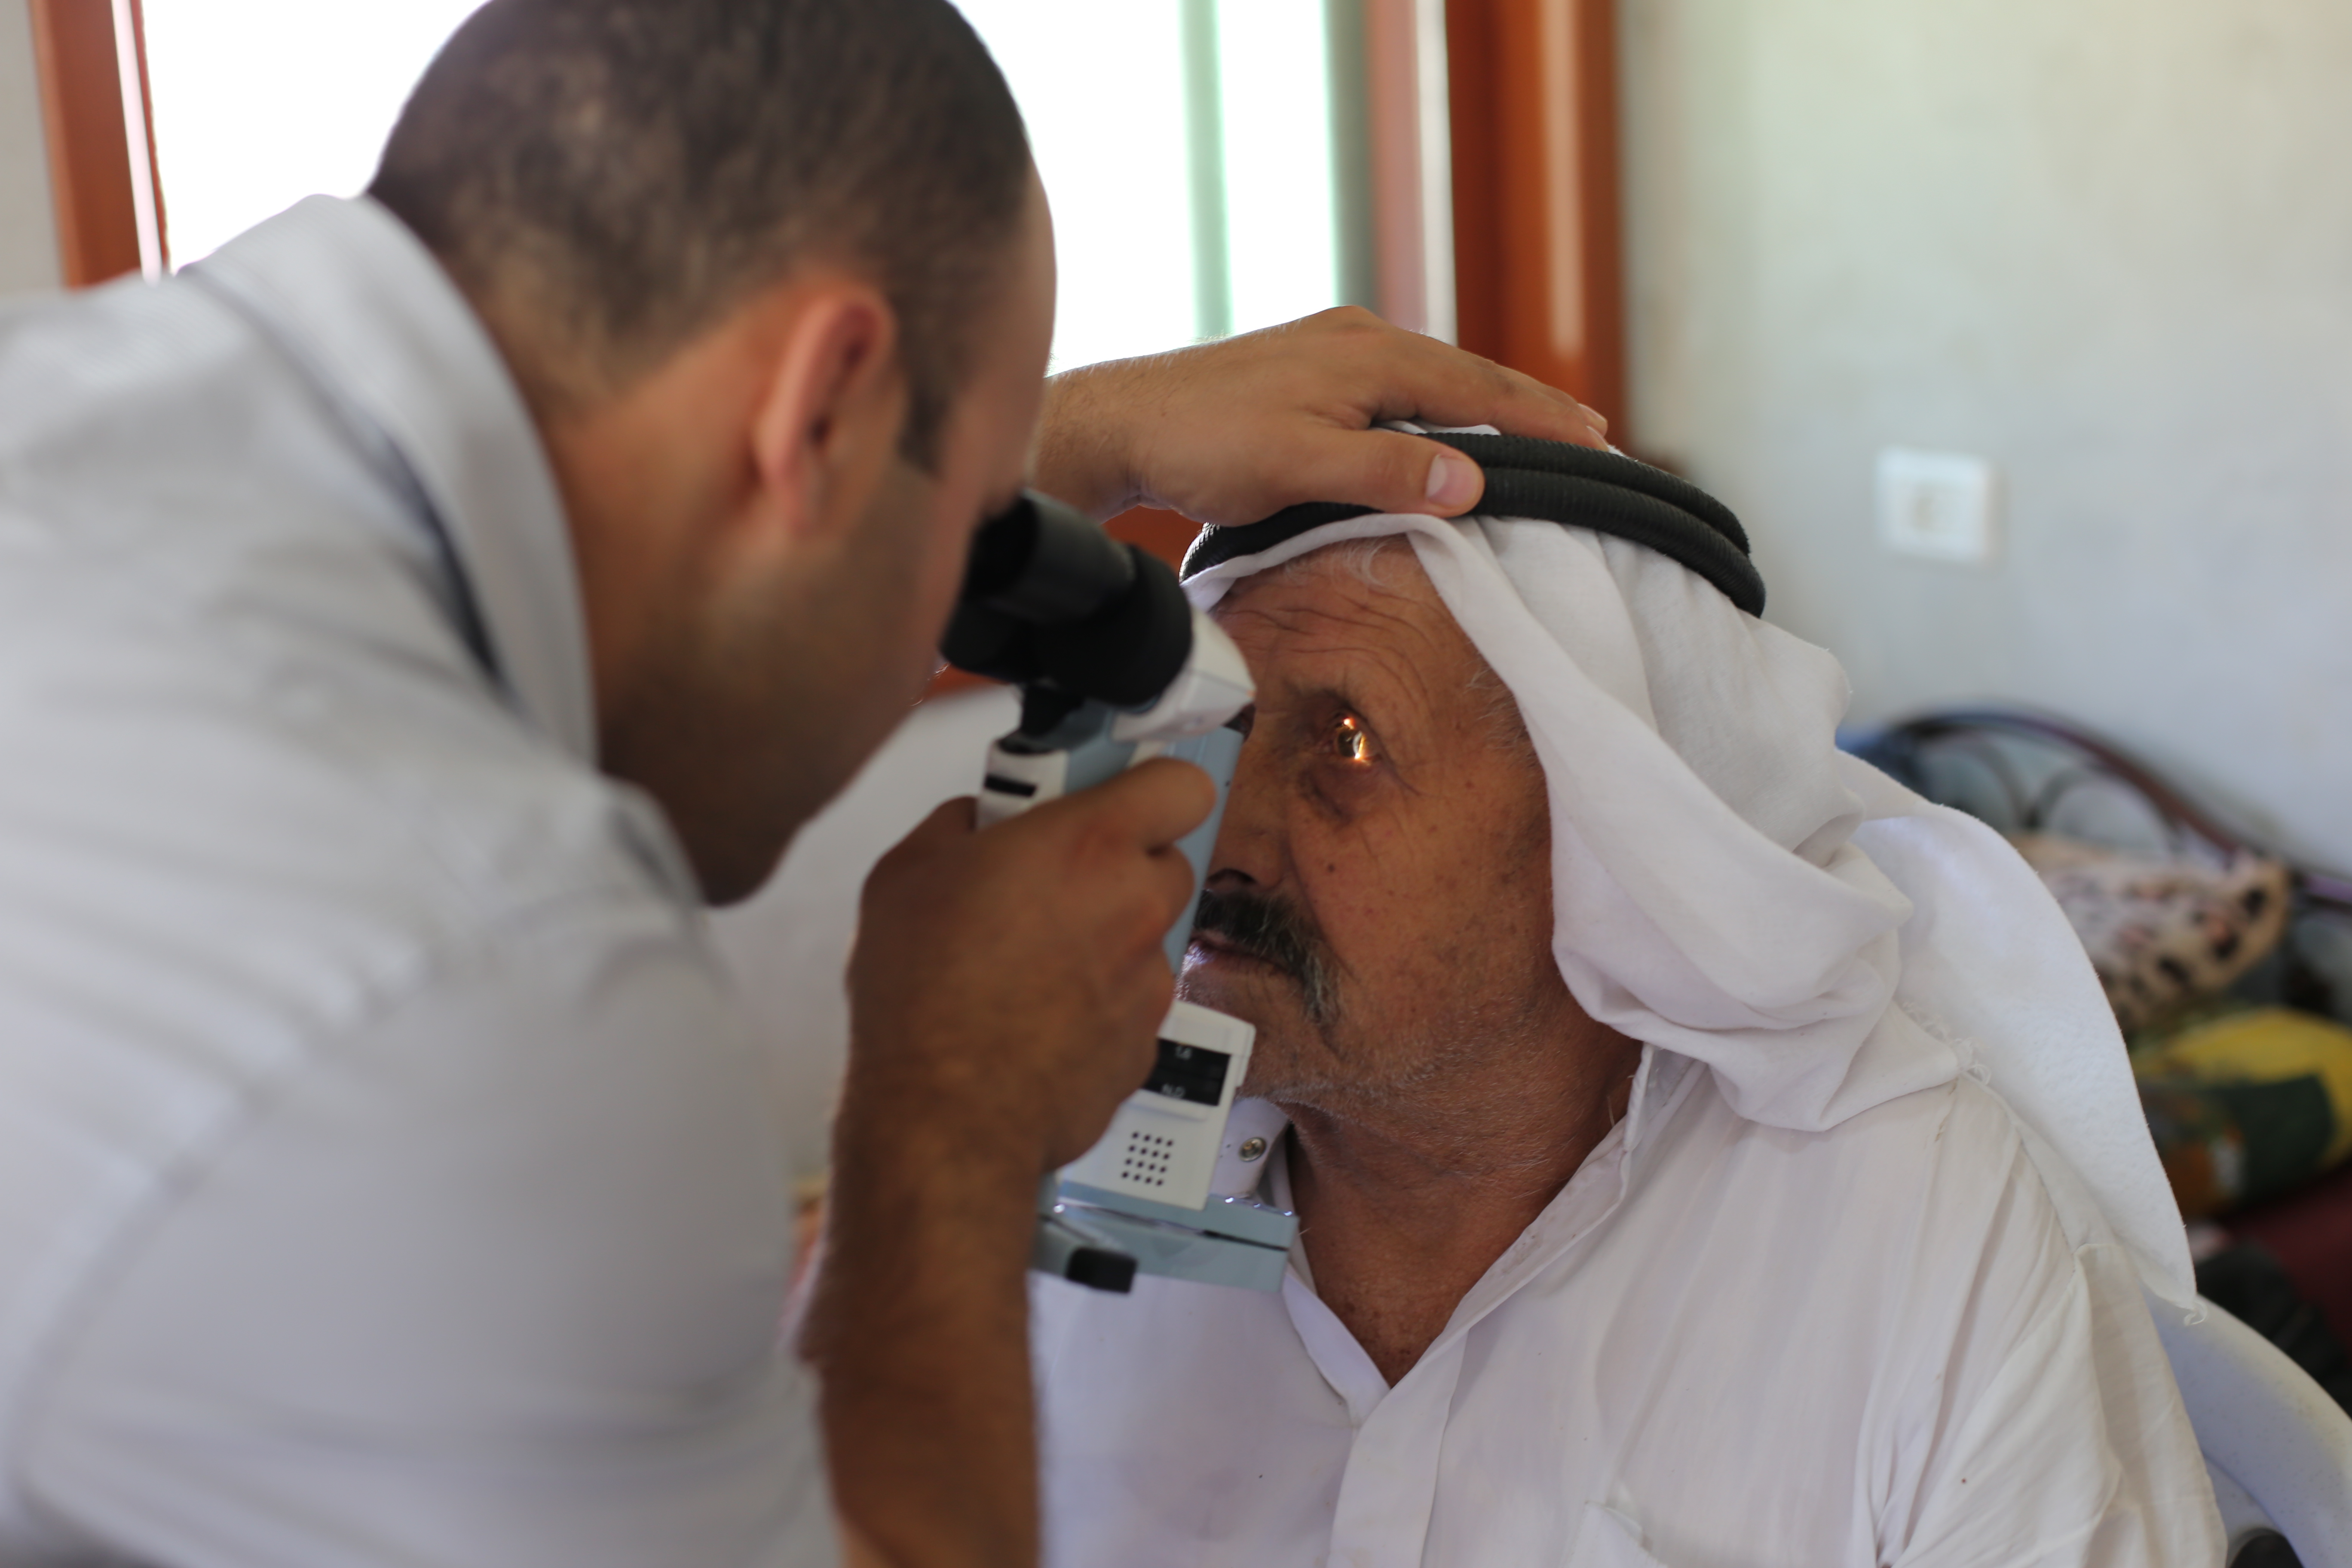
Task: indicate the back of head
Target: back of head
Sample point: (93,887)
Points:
(606,178)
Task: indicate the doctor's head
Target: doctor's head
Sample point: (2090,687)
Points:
(1379,901)
(775,279)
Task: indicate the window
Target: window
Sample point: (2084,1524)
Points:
(1215,165)
(1187,145)
(259,104)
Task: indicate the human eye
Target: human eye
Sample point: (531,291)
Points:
(1351,741)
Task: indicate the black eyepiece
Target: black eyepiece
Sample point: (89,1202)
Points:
(1049,598)
(1041,562)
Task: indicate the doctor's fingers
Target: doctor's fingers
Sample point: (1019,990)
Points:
(1118,887)
(1406,375)
(1146,807)
(1334,376)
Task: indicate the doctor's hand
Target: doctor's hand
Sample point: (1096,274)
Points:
(1232,431)
(1004,996)
(1007,985)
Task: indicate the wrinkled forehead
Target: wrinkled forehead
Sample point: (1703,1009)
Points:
(1366,595)
(1381,566)
(1359,620)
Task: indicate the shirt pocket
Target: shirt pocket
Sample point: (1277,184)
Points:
(1610,1539)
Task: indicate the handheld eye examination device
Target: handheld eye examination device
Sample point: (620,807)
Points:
(1115,667)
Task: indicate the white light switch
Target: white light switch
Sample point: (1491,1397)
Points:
(1939,505)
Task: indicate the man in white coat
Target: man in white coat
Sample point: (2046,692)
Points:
(1625,1054)
(410,616)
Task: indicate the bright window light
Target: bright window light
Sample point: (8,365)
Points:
(1274,89)
(1111,96)
(260,103)
(1102,88)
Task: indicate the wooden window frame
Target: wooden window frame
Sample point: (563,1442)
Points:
(102,179)
(1537,236)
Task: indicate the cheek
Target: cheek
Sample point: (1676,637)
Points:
(1388,905)
(929,568)
(939,573)
(1428,914)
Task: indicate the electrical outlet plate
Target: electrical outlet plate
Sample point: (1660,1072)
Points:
(1939,505)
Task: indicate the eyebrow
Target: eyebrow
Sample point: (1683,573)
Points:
(1324,694)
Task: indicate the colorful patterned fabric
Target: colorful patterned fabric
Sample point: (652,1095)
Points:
(2162,934)
(2247,1105)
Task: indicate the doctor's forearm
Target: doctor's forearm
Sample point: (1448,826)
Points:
(921,1333)
(1003,990)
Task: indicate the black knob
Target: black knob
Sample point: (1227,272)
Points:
(2265,1549)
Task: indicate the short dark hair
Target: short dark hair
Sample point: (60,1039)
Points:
(621,173)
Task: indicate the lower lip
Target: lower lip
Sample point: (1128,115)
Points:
(1208,950)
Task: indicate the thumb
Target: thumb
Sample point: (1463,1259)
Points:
(1390,471)
(910,862)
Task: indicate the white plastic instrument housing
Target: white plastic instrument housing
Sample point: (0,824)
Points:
(1164,1142)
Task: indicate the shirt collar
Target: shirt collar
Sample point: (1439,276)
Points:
(362,308)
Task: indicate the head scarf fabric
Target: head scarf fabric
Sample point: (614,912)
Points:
(1727,885)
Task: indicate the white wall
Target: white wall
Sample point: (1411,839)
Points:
(28,234)
(2107,244)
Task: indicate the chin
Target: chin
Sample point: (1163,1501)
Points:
(728,885)
(1275,1017)
(1207,981)
(731,869)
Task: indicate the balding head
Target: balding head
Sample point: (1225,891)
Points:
(606,178)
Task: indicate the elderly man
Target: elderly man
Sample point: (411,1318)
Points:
(1635,1049)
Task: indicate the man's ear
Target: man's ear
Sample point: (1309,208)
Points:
(834,408)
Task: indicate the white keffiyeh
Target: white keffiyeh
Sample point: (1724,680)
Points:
(1730,886)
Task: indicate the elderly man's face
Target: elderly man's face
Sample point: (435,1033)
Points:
(1380,901)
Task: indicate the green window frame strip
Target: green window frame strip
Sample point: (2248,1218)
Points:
(1204,148)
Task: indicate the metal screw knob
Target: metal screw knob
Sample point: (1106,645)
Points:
(1252,1148)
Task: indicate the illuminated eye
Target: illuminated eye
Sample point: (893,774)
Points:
(1350,741)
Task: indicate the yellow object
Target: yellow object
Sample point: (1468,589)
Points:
(2265,1045)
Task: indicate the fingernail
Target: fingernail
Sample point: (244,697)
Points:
(1454,483)
(1594,418)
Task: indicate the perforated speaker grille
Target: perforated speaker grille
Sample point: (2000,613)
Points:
(1145,1162)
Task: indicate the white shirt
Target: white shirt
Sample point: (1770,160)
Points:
(386,1174)
(1722,1345)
